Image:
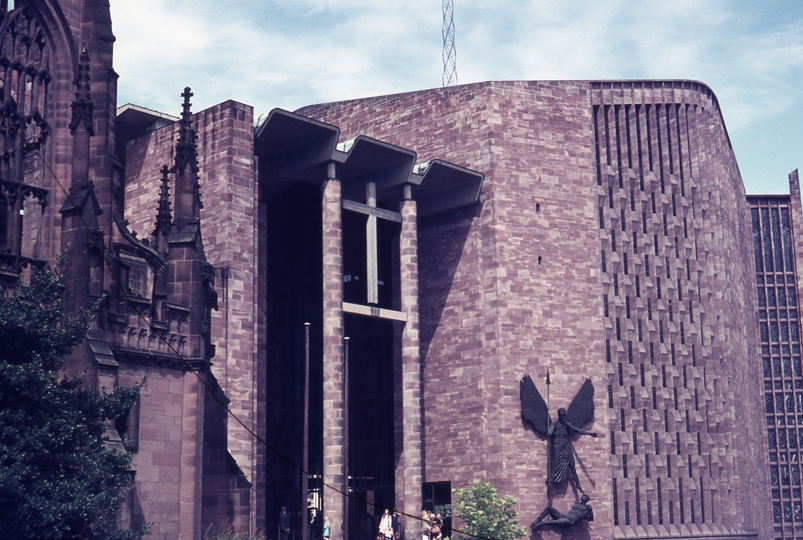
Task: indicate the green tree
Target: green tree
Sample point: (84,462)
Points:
(57,479)
(227,532)
(487,515)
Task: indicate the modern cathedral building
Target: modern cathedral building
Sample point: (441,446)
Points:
(425,251)
(613,241)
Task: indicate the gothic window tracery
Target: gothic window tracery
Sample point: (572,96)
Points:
(24,80)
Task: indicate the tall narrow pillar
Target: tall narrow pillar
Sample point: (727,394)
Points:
(190,477)
(796,213)
(409,474)
(334,404)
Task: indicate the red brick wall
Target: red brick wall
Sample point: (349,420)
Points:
(515,286)
(730,328)
(228,225)
(164,418)
(489,312)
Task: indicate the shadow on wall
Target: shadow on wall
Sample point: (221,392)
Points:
(137,517)
(226,492)
(441,245)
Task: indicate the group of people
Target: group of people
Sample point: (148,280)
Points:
(432,526)
(390,526)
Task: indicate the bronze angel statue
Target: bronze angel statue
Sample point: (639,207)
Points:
(560,454)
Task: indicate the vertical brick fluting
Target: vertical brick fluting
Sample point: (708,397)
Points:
(408,475)
(333,363)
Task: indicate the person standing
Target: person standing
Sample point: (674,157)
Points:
(326,528)
(439,523)
(395,524)
(284,524)
(435,528)
(386,526)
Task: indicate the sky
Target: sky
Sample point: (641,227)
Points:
(291,53)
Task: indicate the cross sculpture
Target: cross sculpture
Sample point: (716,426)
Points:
(371,250)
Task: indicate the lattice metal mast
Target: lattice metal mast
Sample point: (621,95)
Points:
(449,52)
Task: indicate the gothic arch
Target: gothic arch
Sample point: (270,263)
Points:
(38,57)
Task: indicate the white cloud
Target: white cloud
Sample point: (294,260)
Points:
(289,53)
(359,51)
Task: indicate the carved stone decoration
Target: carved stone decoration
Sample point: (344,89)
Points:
(11,266)
(83,108)
(164,216)
(187,205)
(208,279)
(24,78)
(14,191)
(176,312)
(93,239)
(560,454)
(25,75)
(186,149)
(83,202)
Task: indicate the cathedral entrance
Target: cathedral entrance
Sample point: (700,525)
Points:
(368,247)
(339,226)
(371,424)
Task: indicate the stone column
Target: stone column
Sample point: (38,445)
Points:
(796,217)
(191,467)
(409,473)
(334,406)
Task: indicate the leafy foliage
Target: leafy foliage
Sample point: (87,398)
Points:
(487,515)
(57,479)
(226,532)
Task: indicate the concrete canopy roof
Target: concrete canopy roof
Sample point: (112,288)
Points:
(294,149)
(136,121)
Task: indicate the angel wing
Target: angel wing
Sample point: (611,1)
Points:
(533,406)
(581,409)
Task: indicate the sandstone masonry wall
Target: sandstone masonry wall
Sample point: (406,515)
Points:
(228,225)
(538,278)
(490,313)
(163,412)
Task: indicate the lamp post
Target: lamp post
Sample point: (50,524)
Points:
(305,450)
